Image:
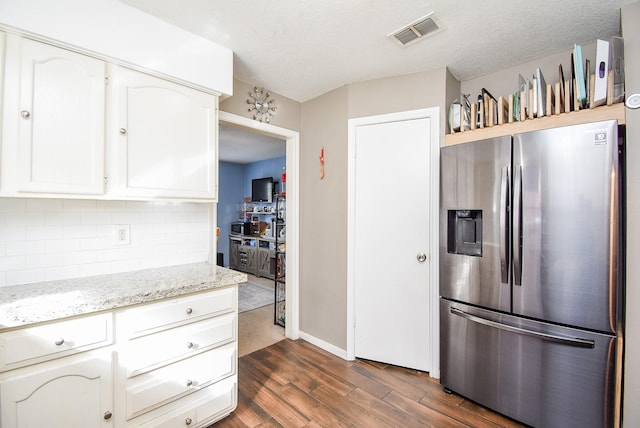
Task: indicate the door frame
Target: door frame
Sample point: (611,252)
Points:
(292,138)
(433,114)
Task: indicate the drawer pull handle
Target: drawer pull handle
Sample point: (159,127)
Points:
(189,382)
(190,345)
(188,421)
(107,415)
(189,311)
(59,342)
(25,114)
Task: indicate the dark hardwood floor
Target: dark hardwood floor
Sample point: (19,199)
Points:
(296,384)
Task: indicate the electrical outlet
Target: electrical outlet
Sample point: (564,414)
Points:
(121,234)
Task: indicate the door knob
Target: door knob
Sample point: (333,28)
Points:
(421,257)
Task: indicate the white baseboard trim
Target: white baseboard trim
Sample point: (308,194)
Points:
(324,345)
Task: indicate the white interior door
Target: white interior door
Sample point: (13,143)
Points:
(392,242)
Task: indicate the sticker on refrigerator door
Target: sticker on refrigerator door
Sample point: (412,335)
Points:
(600,137)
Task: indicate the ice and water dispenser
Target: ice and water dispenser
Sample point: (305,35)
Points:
(464,232)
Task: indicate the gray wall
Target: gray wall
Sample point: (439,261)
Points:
(631,33)
(323,218)
(288,113)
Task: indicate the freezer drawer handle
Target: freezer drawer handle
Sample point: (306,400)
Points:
(582,343)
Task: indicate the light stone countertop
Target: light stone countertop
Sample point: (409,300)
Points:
(21,305)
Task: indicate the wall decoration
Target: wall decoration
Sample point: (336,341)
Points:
(261,104)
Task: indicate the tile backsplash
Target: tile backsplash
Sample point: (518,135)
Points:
(50,239)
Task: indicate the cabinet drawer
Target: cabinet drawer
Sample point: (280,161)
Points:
(161,386)
(160,316)
(35,344)
(212,404)
(148,352)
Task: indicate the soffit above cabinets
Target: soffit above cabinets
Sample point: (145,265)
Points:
(302,49)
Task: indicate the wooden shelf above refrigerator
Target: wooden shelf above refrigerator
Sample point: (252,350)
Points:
(615,111)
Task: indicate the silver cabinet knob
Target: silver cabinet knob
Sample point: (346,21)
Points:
(59,342)
(189,311)
(188,421)
(189,382)
(421,257)
(107,415)
(25,114)
(190,345)
(123,131)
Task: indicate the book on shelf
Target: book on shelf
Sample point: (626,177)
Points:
(541,99)
(601,74)
(587,83)
(523,86)
(581,90)
(560,90)
(490,108)
(455,110)
(616,65)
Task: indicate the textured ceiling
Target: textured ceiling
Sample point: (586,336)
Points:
(239,145)
(302,49)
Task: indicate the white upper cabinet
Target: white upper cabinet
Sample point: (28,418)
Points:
(77,126)
(164,136)
(60,116)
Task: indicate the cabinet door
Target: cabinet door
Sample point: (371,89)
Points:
(167,138)
(266,258)
(59,395)
(233,254)
(60,120)
(252,260)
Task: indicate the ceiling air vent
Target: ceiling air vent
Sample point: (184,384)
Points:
(417,30)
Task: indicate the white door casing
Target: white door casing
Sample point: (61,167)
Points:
(292,329)
(393,204)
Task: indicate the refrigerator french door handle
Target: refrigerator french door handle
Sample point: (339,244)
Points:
(504,225)
(581,343)
(517,226)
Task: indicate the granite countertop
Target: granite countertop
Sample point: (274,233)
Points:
(21,305)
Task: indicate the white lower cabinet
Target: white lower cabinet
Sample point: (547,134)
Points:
(205,407)
(69,392)
(177,361)
(166,364)
(163,385)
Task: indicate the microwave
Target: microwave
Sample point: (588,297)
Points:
(241,228)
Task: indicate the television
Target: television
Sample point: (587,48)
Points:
(262,189)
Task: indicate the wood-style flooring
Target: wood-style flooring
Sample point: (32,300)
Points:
(296,384)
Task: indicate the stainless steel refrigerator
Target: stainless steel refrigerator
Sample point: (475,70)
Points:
(530,274)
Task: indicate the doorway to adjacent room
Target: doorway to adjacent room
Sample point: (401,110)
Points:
(291,141)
